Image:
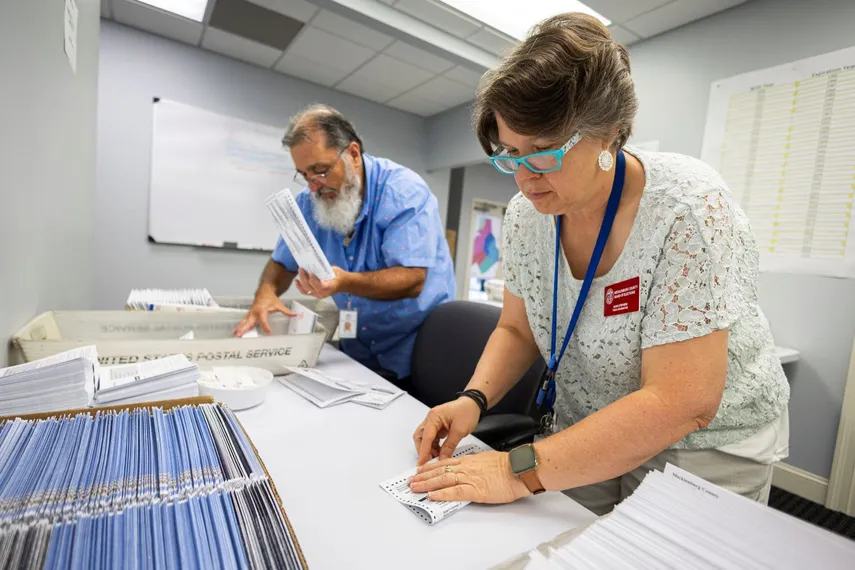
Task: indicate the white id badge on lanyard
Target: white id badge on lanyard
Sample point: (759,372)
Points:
(347,324)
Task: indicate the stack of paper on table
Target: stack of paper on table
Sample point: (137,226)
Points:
(324,390)
(151,299)
(58,382)
(297,236)
(429,511)
(163,379)
(677,520)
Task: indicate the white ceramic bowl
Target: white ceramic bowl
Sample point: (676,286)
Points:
(238,387)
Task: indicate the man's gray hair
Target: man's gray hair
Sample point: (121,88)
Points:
(339,132)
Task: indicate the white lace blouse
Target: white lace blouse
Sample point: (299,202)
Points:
(693,251)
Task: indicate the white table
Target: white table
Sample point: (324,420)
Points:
(787,355)
(327,465)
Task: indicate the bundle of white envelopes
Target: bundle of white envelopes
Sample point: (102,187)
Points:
(162,379)
(678,520)
(62,381)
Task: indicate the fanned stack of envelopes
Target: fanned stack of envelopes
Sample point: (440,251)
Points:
(59,382)
(149,299)
(142,488)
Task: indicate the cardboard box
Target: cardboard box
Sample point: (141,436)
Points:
(167,405)
(125,337)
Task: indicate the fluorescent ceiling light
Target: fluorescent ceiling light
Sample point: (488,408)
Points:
(190,9)
(516,17)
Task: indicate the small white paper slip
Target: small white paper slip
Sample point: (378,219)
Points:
(429,511)
(303,321)
(347,321)
(377,397)
(298,237)
(319,388)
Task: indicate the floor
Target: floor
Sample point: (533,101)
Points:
(812,512)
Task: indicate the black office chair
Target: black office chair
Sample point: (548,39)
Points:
(448,347)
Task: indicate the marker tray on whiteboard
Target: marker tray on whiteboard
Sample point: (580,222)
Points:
(124,337)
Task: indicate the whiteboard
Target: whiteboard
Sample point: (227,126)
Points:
(210,176)
(783,139)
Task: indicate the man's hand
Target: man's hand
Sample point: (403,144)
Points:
(310,285)
(264,304)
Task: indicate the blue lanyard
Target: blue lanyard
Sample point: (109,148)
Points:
(547,389)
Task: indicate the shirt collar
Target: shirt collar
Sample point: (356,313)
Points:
(369,165)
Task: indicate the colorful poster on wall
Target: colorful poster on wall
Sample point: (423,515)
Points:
(485,246)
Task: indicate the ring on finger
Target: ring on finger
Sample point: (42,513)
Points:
(448,469)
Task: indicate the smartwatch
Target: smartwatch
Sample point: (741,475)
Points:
(524,465)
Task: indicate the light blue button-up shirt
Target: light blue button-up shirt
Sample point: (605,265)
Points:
(399,226)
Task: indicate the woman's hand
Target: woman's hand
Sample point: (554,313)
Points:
(452,421)
(481,478)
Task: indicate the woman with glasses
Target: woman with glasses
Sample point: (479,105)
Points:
(633,274)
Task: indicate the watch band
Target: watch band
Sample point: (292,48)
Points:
(532,481)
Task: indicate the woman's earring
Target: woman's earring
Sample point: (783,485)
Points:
(605,160)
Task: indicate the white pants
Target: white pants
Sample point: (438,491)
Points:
(738,474)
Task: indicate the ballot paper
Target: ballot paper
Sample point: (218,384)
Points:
(324,390)
(303,321)
(62,381)
(429,511)
(162,379)
(678,520)
(298,237)
(151,299)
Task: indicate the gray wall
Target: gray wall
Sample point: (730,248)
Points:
(135,67)
(485,182)
(47,161)
(673,73)
(451,141)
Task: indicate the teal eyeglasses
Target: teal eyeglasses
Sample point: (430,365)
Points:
(539,162)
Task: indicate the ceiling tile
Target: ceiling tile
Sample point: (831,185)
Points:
(329,50)
(105,9)
(418,57)
(350,30)
(440,16)
(492,41)
(367,88)
(444,91)
(254,23)
(674,15)
(239,48)
(465,76)
(157,21)
(619,11)
(320,73)
(623,36)
(415,104)
(395,76)
(297,9)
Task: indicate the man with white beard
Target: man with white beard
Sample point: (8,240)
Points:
(378,224)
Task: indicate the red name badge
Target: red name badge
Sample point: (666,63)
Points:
(621,298)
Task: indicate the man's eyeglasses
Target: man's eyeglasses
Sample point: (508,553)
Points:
(318,177)
(539,162)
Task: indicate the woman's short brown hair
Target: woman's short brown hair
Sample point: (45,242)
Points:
(567,76)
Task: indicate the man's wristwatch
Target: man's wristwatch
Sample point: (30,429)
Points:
(524,465)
